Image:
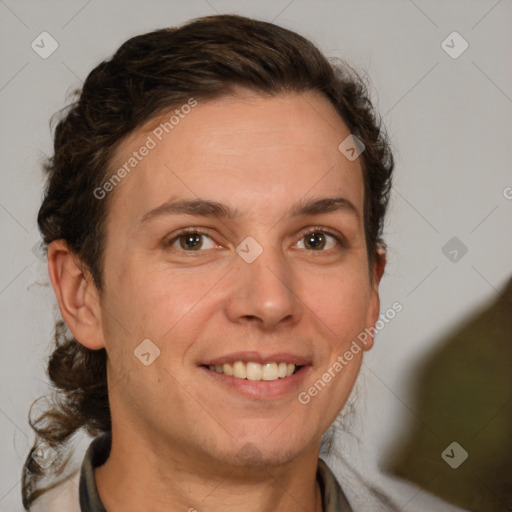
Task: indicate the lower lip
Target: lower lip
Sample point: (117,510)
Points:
(261,389)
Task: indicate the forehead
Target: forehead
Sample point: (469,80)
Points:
(248,150)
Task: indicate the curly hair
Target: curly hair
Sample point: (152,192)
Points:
(206,58)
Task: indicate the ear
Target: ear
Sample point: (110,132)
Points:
(374,303)
(77,295)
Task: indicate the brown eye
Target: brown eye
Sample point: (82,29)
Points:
(315,241)
(319,241)
(191,241)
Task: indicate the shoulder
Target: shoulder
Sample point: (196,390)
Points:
(64,496)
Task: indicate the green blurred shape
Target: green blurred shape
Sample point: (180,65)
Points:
(464,394)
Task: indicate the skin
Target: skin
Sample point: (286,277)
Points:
(181,438)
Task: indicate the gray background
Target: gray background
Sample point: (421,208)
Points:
(450,122)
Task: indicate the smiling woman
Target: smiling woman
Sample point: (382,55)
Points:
(218,280)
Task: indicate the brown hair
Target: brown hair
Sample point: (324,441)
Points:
(149,74)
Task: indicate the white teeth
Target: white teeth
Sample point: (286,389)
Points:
(270,371)
(227,369)
(255,371)
(239,370)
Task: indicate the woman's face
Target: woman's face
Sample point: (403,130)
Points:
(273,270)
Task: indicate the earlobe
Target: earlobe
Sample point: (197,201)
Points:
(76,294)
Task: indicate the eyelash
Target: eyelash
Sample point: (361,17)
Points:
(314,229)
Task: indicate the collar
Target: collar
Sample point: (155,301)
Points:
(333,498)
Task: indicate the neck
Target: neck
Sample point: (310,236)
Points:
(147,476)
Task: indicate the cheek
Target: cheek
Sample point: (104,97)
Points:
(341,302)
(157,302)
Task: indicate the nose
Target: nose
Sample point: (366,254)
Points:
(263,292)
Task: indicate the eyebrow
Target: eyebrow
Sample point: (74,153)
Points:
(207,208)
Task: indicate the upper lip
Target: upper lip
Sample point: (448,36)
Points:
(259,357)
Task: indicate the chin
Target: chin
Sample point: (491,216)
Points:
(263,451)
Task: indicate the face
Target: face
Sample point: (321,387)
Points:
(236,244)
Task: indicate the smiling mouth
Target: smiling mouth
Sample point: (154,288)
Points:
(251,370)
